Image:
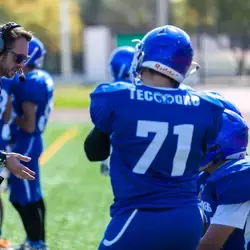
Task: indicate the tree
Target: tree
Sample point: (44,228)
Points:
(233,19)
(226,16)
(42,18)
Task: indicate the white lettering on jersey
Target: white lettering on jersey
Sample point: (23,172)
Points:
(154,96)
(206,206)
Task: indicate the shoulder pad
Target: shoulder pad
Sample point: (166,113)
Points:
(214,94)
(43,72)
(232,182)
(209,98)
(112,87)
(8,80)
(184,86)
(226,103)
(241,166)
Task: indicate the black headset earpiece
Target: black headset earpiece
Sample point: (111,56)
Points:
(5,29)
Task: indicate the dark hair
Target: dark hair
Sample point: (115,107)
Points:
(9,37)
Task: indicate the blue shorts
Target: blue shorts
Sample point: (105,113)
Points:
(175,229)
(24,191)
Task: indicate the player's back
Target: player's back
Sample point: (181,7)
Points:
(37,88)
(158,139)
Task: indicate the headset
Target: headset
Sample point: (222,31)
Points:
(5,29)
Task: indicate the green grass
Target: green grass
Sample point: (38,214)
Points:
(72,96)
(77,198)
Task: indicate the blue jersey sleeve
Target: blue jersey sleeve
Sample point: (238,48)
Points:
(234,188)
(101,111)
(227,104)
(214,129)
(216,108)
(105,99)
(31,92)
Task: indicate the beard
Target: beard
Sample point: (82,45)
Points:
(2,68)
(6,71)
(11,73)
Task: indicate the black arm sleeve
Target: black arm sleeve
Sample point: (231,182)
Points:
(97,145)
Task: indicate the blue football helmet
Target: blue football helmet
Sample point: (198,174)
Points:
(231,142)
(36,53)
(167,50)
(120,62)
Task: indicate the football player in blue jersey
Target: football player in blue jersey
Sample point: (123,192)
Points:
(33,100)
(158,133)
(225,188)
(119,66)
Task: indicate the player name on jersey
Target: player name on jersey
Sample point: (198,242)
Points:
(156,96)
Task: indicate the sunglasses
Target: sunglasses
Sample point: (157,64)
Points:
(20,58)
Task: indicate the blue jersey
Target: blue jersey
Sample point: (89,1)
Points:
(225,102)
(4,125)
(227,185)
(37,88)
(184,86)
(127,80)
(157,137)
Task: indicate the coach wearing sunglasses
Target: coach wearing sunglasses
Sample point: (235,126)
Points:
(14,41)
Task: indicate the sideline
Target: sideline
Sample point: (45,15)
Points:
(57,145)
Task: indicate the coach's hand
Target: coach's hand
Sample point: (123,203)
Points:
(17,168)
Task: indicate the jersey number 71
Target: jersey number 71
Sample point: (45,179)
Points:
(161,129)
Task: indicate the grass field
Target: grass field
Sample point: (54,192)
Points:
(77,196)
(72,96)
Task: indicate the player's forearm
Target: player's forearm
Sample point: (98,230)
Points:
(97,145)
(204,245)
(215,237)
(24,124)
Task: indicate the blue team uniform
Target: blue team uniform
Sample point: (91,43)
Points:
(4,128)
(119,65)
(224,101)
(158,139)
(37,88)
(227,185)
